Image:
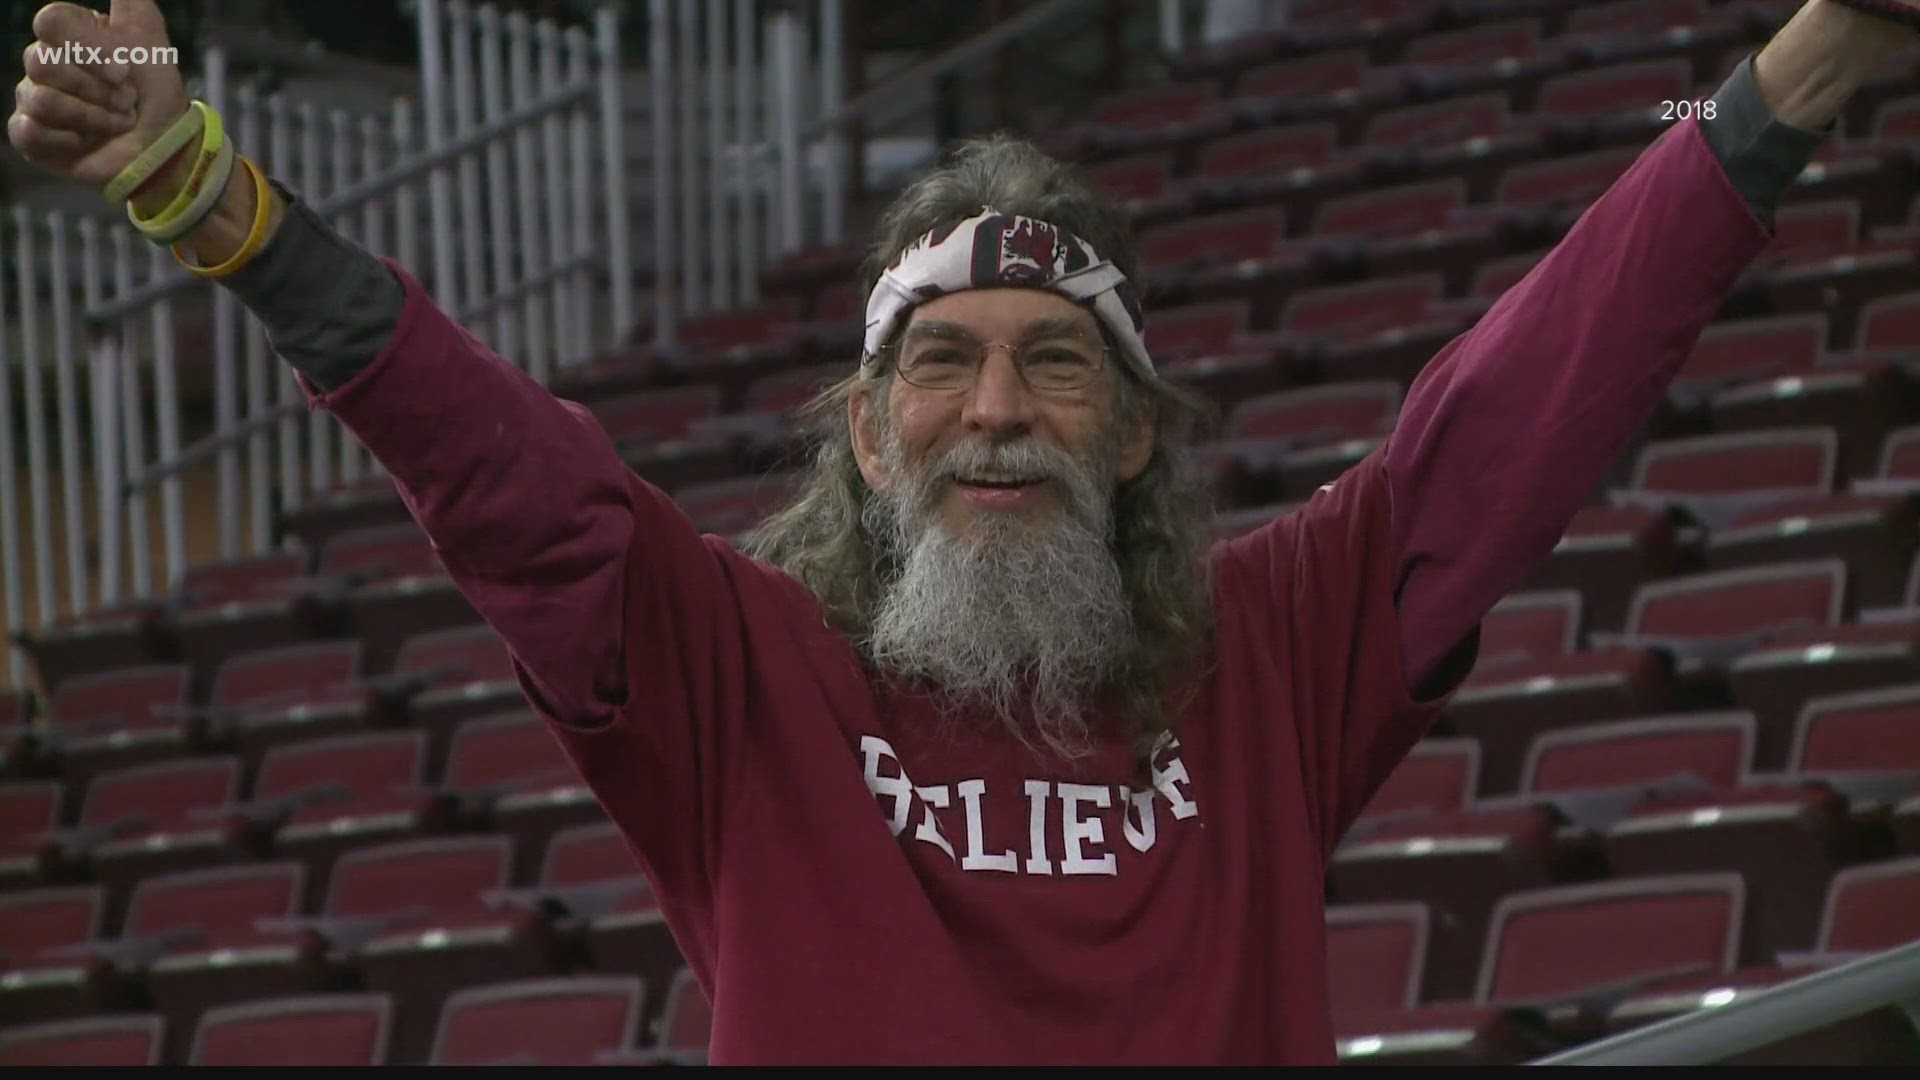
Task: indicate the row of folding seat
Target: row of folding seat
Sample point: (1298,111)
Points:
(569,1020)
(1561,964)
(416,918)
(310,799)
(1667,792)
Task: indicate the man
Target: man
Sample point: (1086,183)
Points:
(987,756)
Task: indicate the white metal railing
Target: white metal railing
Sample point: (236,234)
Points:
(1713,1035)
(525,205)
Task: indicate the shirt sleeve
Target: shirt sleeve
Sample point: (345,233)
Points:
(617,613)
(1513,426)
(1314,591)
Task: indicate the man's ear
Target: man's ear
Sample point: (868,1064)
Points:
(866,443)
(1137,441)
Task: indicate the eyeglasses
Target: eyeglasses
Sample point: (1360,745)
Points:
(1055,364)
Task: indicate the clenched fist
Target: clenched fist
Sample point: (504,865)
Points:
(83,111)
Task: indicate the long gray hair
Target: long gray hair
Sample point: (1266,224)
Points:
(1161,518)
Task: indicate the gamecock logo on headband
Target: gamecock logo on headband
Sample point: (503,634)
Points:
(1022,251)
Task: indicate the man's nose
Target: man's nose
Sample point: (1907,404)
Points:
(999,403)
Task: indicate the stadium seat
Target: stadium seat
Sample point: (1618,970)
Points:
(1776,679)
(411,918)
(1459,863)
(1876,536)
(150,819)
(1595,773)
(1742,351)
(118,718)
(190,937)
(1574,950)
(687,1020)
(506,772)
(442,678)
(109,1041)
(1437,774)
(1606,553)
(1376,954)
(1713,478)
(46,973)
(561,1021)
(1528,625)
(1285,444)
(236,605)
(337,1029)
(267,697)
(30,811)
(314,799)
(590,874)
(1864,743)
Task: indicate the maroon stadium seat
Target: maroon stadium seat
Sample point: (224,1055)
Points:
(1376,954)
(1437,774)
(236,605)
(1876,536)
(442,678)
(562,1021)
(149,819)
(1716,477)
(1286,443)
(1778,678)
(433,928)
(266,697)
(591,873)
(1606,553)
(125,716)
(340,1029)
(45,971)
(111,1041)
(687,1020)
(1749,350)
(313,800)
(29,811)
(190,936)
(507,772)
(1529,625)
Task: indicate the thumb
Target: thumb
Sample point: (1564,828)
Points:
(138,20)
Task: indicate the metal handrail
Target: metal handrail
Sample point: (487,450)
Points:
(1712,1035)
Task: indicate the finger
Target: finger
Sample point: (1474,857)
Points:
(84,83)
(64,23)
(89,43)
(41,145)
(61,111)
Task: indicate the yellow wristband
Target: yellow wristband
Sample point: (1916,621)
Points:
(206,195)
(157,153)
(256,235)
(212,138)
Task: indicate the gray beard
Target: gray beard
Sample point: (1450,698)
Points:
(1023,620)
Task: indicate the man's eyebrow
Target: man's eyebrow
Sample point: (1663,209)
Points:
(1051,326)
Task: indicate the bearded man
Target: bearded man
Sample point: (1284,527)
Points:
(984,752)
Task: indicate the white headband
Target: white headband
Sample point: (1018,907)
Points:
(994,249)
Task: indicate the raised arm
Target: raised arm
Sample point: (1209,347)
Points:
(566,553)
(1508,432)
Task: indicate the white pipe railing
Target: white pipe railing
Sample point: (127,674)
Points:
(526,211)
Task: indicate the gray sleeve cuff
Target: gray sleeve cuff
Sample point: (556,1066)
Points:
(1761,155)
(329,306)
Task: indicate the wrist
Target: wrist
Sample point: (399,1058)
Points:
(159,190)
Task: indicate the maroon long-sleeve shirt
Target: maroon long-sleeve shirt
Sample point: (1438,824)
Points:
(846,884)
